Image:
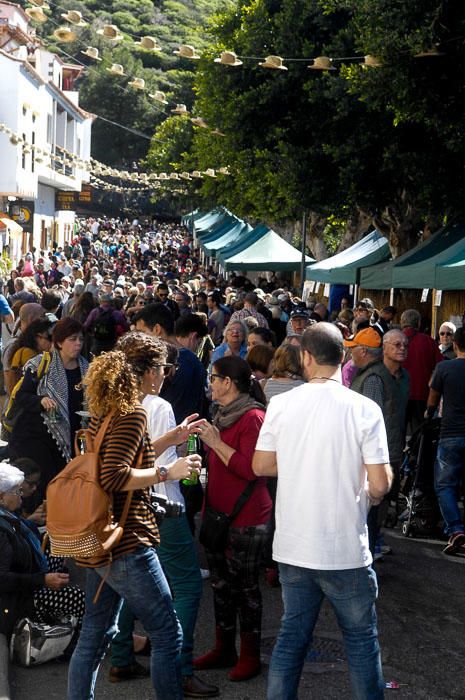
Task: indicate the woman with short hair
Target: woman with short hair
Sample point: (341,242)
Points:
(235,341)
(287,371)
(47,402)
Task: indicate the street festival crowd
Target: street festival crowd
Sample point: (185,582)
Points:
(296,420)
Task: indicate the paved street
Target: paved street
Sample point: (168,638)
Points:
(421,615)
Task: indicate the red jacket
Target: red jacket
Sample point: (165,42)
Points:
(423,356)
(226,483)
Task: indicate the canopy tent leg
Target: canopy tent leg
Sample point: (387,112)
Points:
(391,297)
(434,314)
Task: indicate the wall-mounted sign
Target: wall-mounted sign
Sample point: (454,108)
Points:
(23,213)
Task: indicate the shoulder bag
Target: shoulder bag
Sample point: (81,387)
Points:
(214,530)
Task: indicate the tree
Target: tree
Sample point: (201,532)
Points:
(361,140)
(171,22)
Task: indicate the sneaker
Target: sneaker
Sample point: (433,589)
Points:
(127,673)
(378,553)
(456,544)
(386,549)
(194,687)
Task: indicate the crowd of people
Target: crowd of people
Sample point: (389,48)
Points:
(300,419)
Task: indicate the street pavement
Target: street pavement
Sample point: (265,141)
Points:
(421,613)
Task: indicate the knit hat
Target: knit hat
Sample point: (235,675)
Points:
(10,477)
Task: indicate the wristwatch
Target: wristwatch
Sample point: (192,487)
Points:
(162,473)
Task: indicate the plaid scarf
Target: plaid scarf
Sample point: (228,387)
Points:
(54,384)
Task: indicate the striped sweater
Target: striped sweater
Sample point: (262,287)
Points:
(123,440)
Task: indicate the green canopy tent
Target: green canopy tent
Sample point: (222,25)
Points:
(344,267)
(231,235)
(210,219)
(242,243)
(412,270)
(450,273)
(217,229)
(194,215)
(422,274)
(269,252)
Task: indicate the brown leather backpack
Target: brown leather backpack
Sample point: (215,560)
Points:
(80,521)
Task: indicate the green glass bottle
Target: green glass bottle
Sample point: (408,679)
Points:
(192,449)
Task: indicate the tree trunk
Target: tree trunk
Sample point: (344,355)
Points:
(357,226)
(401,224)
(315,241)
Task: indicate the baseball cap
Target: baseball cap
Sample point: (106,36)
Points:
(299,313)
(367,336)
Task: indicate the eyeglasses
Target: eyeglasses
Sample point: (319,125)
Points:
(446,333)
(16,492)
(216,376)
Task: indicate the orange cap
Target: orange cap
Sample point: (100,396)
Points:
(367,336)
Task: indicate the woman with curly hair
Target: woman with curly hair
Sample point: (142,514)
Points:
(116,386)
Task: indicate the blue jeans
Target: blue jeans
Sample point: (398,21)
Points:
(352,594)
(137,577)
(178,558)
(448,474)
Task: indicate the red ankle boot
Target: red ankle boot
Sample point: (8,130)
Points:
(224,655)
(248,665)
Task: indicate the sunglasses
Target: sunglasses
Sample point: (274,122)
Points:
(168,367)
(446,333)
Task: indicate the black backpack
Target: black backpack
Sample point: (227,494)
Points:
(104,328)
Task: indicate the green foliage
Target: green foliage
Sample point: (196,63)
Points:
(171,22)
(386,140)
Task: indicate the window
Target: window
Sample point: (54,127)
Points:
(33,156)
(49,128)
(23,155)
(24,111)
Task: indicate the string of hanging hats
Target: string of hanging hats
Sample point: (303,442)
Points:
(95,168)
(111,33)
(114,35)
(187,51)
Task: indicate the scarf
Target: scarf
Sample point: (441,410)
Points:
(31,538)
(55,385)
(228,415)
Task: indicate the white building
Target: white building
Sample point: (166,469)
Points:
(40,109)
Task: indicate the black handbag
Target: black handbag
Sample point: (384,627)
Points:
(214,530)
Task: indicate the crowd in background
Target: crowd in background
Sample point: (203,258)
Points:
(127,291)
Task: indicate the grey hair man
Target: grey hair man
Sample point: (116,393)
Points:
(321,539)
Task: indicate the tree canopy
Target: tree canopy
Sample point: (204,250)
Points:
(385,140)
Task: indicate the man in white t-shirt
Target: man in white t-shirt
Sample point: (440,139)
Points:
(327,445)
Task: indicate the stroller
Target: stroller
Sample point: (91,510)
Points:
(421,514)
